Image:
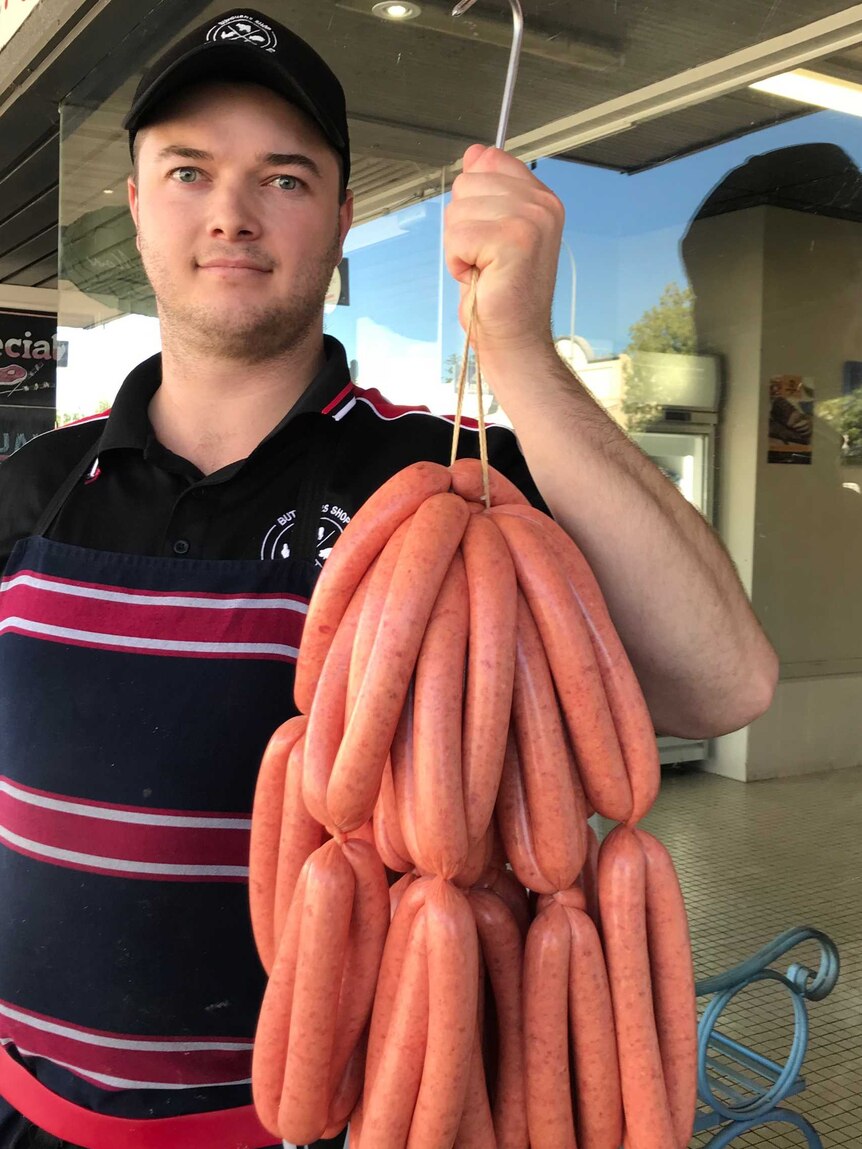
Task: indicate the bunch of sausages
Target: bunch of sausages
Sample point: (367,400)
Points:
(465,705)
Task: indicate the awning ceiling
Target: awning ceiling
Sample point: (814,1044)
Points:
(418,93)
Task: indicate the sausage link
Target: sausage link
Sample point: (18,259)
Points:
(304,1109)
(453,965)
(369,924)
(622,903)
(673,991)
(403,775)
(513,822)
(265,832)
(379,581)
(300,836)
(388,838)
(572,659)
(434,535)
(467,482)
(408,904)
(557,815)
(273,1026)
(490,667)
(599,1105)
(362,540)
(507,887)
(570,899)
(438,703)
(503,950)
(476,1130)
(631,716)
(478,860)
(326,711)
(546,1031)
(392,1083)
(348,1090)
(588,880)
(397,891)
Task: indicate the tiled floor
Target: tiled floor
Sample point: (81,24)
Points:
(753,860)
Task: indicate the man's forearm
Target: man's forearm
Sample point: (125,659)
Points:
(703,661)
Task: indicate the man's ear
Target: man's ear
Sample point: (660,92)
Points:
(134,208)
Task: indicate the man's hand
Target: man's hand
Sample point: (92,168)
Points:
(505,222)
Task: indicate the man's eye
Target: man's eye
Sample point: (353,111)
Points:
(286,183)
(185,175)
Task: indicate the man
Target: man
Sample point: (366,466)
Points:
(158,561)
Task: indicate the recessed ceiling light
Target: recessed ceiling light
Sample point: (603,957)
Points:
(397,10)
(809,87)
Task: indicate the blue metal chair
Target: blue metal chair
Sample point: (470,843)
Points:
(739,1089)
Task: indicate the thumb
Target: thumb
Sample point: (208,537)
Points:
(473,155)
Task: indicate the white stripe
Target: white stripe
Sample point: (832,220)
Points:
(86,810)
(124,1083)
(139,1045)
(153,599)
(120,640)
(448,419)
(344,410)
(121,865)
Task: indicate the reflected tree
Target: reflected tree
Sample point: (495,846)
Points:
(667,327)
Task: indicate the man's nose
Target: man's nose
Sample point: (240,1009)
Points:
(233,215)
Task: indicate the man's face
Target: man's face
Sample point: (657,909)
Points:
(236,202)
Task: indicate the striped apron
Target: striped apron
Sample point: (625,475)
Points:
(136,697)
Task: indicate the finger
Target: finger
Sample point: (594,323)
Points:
(482,159)
(484,208)
(473,155)
(502,242)
(480,183)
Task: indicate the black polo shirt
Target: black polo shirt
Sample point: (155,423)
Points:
(140,498)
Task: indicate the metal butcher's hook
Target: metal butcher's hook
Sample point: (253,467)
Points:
(514,58)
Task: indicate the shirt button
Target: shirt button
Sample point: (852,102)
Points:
(182,547)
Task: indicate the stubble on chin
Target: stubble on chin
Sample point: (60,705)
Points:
(245,334)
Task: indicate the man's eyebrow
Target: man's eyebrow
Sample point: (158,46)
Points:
(290,160)
(181,152)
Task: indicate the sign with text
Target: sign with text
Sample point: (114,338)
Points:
(13,13)
(28,376)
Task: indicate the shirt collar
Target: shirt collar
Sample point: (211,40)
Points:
(128,425)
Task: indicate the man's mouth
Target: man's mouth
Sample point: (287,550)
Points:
(234,265)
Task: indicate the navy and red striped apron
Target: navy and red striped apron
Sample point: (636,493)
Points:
(136,697)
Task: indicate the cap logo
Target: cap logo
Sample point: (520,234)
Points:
(244,30)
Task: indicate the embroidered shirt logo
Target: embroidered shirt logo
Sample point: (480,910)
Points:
(244,30)
(277,540)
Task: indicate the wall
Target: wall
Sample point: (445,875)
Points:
(779,292)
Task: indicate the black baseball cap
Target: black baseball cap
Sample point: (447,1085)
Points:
(246,45)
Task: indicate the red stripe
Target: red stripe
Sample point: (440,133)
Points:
(87,1031)
(85,419)
(338,399)
(145,594)
(101,841)
(130,874)
(150,619)
(129,841)
(129,647)
(224,1129)
(88,1050)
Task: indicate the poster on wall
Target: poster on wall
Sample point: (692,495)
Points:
(28,377)
(791,419)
